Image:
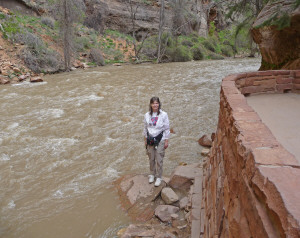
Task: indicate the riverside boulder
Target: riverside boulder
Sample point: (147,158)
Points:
(169,196)
(137,196)
(164,212)
(205,141)
(183,176)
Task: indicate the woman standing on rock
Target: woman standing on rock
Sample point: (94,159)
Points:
(156,135)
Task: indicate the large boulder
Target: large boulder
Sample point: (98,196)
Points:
(4,80)
(183,176)
(165,212)
(205,141)
(278,47)
(169,196)
(137,196)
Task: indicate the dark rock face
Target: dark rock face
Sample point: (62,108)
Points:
(18,5)
(115,15)
(279,48)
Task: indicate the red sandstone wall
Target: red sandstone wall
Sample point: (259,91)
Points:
(251,184)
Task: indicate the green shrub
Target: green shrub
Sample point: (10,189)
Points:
(46,62)
(10,28)
(197,53)
(187,43)
(48,21)
(29,39)
(208,45)
(179,54)
(83,43)
(227,50)
(118,55)
(215,56)
(97,57)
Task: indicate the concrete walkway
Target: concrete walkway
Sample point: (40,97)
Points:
(281,113)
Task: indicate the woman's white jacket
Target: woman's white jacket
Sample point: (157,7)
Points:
(162,124)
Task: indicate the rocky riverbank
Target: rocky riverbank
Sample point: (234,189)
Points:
(170,210)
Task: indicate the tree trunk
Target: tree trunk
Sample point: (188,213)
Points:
(67,32)
(161,24)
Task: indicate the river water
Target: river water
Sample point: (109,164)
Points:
(64,141)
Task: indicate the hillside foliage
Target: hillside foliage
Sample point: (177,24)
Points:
(43,48)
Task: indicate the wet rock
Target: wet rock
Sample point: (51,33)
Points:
(117,64)
(4,72)
(182,176)
(4,81)
(205,152)
(205,141)
(85,65)
(22,77)
(169,196)
(137,196)
(16,70)
(146,230)
(78,64)
(121,232)
(164,212)
(36,79)
(15,80)
(138,231)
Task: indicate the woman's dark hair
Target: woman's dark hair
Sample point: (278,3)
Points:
(152,100)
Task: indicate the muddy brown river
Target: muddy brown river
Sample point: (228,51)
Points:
(64,141)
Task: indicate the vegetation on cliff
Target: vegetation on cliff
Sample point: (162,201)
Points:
(42,46)
(49,46)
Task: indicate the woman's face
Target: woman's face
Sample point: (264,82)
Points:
(155,106)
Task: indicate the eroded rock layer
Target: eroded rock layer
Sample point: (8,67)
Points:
(280,48)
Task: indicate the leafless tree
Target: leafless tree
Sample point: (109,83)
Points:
(160,29)
(132,8)
(69,11)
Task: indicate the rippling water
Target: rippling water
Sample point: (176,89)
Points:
(64,141)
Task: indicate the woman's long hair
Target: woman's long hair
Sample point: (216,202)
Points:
(152,100)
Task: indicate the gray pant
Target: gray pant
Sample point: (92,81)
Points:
(156,157)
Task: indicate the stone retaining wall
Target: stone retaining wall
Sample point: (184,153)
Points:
(251,184)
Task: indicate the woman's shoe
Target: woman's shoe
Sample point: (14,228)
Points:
(157,182)
(151,178)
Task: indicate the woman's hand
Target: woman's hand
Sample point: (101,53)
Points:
(166,144)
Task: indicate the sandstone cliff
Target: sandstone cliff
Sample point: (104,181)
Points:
(280,48)
(115,14)
(192,16)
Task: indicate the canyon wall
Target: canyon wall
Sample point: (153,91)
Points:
(185,18)
(277,32)
(250,182)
